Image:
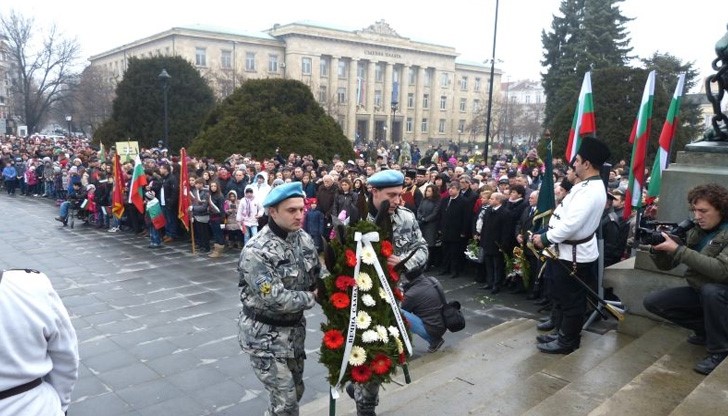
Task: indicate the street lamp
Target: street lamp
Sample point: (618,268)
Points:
(68,120)
(490,89)
(394,113)
(164,78)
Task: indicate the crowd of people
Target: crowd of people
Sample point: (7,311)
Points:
(450,201)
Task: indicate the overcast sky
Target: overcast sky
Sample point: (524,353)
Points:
(686,29)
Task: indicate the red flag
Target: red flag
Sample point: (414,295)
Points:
(639,137)
(117,197)
(136,187)
(184,190)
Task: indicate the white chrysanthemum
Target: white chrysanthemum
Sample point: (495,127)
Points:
(368,256)
(393,331)
(369,336)
(358,356)
(382,332)
(363,320)
(368,300)
(383,295)
(363,281)
(400,347)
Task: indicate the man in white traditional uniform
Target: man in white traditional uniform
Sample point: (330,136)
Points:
(571,230)
(38,347)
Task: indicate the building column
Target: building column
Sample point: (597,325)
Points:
(371,84)
(403,93)
(419,93)
(387,101)
(351,103)
(334,79)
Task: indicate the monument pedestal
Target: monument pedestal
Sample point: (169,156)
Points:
(636,277)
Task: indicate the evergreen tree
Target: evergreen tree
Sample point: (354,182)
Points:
(268,114)
(138,110)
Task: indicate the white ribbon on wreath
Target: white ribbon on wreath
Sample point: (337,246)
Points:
(365,241)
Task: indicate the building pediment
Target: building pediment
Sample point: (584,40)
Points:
(380,27)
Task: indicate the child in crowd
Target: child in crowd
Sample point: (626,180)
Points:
(232,226)
(154,218)
(314,224)
(249,211)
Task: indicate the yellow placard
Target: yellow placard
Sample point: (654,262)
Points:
(127,150)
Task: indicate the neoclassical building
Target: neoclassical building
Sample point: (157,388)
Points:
(377,84)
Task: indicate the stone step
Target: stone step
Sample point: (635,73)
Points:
(657,390)
(588,390)
(709,398)
(433,370)
(521,396)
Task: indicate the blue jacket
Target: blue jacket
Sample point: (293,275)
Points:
(9,173)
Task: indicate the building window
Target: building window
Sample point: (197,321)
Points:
(200,57)
(461,126)
(424,125)
(324,67)
(463,104)
(443,103)
(426,101)
(441,126)
(538,99)
(528,99)
(341,95)
(464,84)
(250,61)
(412,76)
(378,98)
(476,87)
(361,70)
(408,125)
(476,106)
(378,72)
(410,100)
(272,63)
(428,77)
(342,70)
(444,80)
(306,66)
(226,59)
(322,94)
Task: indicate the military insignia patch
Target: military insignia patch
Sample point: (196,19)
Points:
(264,286)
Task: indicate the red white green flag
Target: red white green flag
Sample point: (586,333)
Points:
(668,132)
(583,123)
(639,137)
(117,196)
(137,184)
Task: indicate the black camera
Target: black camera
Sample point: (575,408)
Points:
(650,232)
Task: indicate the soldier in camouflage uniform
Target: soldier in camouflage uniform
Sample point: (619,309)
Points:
(278,269)
(407,240)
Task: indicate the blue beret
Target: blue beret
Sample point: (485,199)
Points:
(386,179)
(283,192)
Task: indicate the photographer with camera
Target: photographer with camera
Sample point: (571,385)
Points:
(703,304)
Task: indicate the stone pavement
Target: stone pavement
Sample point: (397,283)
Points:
(157,328)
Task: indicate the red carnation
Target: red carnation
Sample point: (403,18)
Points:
(361,373)
(339,300)
(345,282)
(393,273)
(333,339)
(398,294)
(387,249)
(381,364)
(350,257)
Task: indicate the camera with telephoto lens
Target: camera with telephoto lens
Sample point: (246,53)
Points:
(650,232)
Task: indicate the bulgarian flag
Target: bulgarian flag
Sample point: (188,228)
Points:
(136,187)
(639,137)
(668,132)
(154,211)
(184,190)
(546,200)
(583,123)
(117,196)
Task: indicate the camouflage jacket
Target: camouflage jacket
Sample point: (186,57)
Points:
(276,275)
(407,238)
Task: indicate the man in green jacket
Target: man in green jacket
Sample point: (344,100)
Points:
(702,305)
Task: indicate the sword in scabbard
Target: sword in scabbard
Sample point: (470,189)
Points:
(548,254)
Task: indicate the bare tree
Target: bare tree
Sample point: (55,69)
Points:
(39,77)
(93,97)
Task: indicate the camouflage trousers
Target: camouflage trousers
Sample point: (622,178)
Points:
(283,378)
(366,397)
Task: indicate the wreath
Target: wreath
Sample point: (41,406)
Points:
(363,339)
